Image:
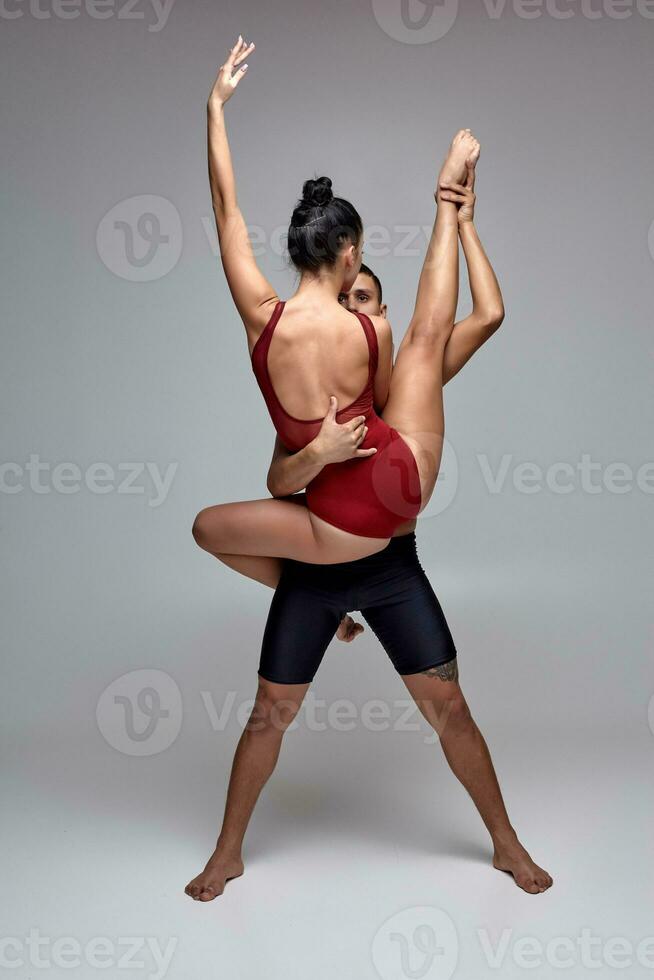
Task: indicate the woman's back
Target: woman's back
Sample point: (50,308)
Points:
(308,352)
(336,353)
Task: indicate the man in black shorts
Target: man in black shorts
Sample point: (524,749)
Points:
(311,604)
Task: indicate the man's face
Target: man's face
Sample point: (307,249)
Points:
(362,297)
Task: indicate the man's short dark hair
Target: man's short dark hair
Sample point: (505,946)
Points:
(367,271)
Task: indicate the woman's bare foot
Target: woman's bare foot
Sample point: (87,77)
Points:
(464,147)
(463,195)
(348,629)
(515,860)
(220,869)
(471,162)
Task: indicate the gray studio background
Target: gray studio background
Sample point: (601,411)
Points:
(122,348)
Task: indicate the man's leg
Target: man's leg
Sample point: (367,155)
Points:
(256,755)
(303,618)
(439,697)
(400,606)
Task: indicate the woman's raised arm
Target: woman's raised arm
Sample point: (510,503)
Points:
(252,293)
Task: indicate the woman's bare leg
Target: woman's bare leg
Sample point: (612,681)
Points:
(415,401)
(277,527)
(258,749)
(267,571)
(260,568)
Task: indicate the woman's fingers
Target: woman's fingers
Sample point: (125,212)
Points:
(238,75)
(366,452)
(245,50)
(236,55)
(229,64)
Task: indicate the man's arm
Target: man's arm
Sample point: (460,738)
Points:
(487,305)
(290,472)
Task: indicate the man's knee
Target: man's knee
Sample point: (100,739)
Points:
(271,712)
(455,717)
(448,715)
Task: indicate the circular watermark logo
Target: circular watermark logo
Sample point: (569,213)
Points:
(140,238)
(396,481)
(416,942)
(447,483)
(140,713)
(415,21)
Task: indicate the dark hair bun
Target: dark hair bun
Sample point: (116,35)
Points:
(320,224)
(317,193)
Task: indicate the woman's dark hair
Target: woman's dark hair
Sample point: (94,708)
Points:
(319,225)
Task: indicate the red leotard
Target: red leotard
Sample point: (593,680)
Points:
(370,496)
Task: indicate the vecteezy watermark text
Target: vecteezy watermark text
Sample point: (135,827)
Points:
(423,941)
(40,477)
(587,475)
(158,10)
(426,21)
(99,953)
(140,238)
(587,950)
(140,713)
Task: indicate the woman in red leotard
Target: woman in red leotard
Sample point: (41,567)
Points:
(309,349)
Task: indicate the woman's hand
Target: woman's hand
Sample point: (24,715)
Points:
(463,195)
(227,78)
(337,441)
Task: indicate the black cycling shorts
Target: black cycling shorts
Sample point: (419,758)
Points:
(389,588)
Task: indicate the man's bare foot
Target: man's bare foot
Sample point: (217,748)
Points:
(220,869)
(348,630)
(514,859)
(464,147)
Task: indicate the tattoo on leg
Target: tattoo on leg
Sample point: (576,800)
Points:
(444,672)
